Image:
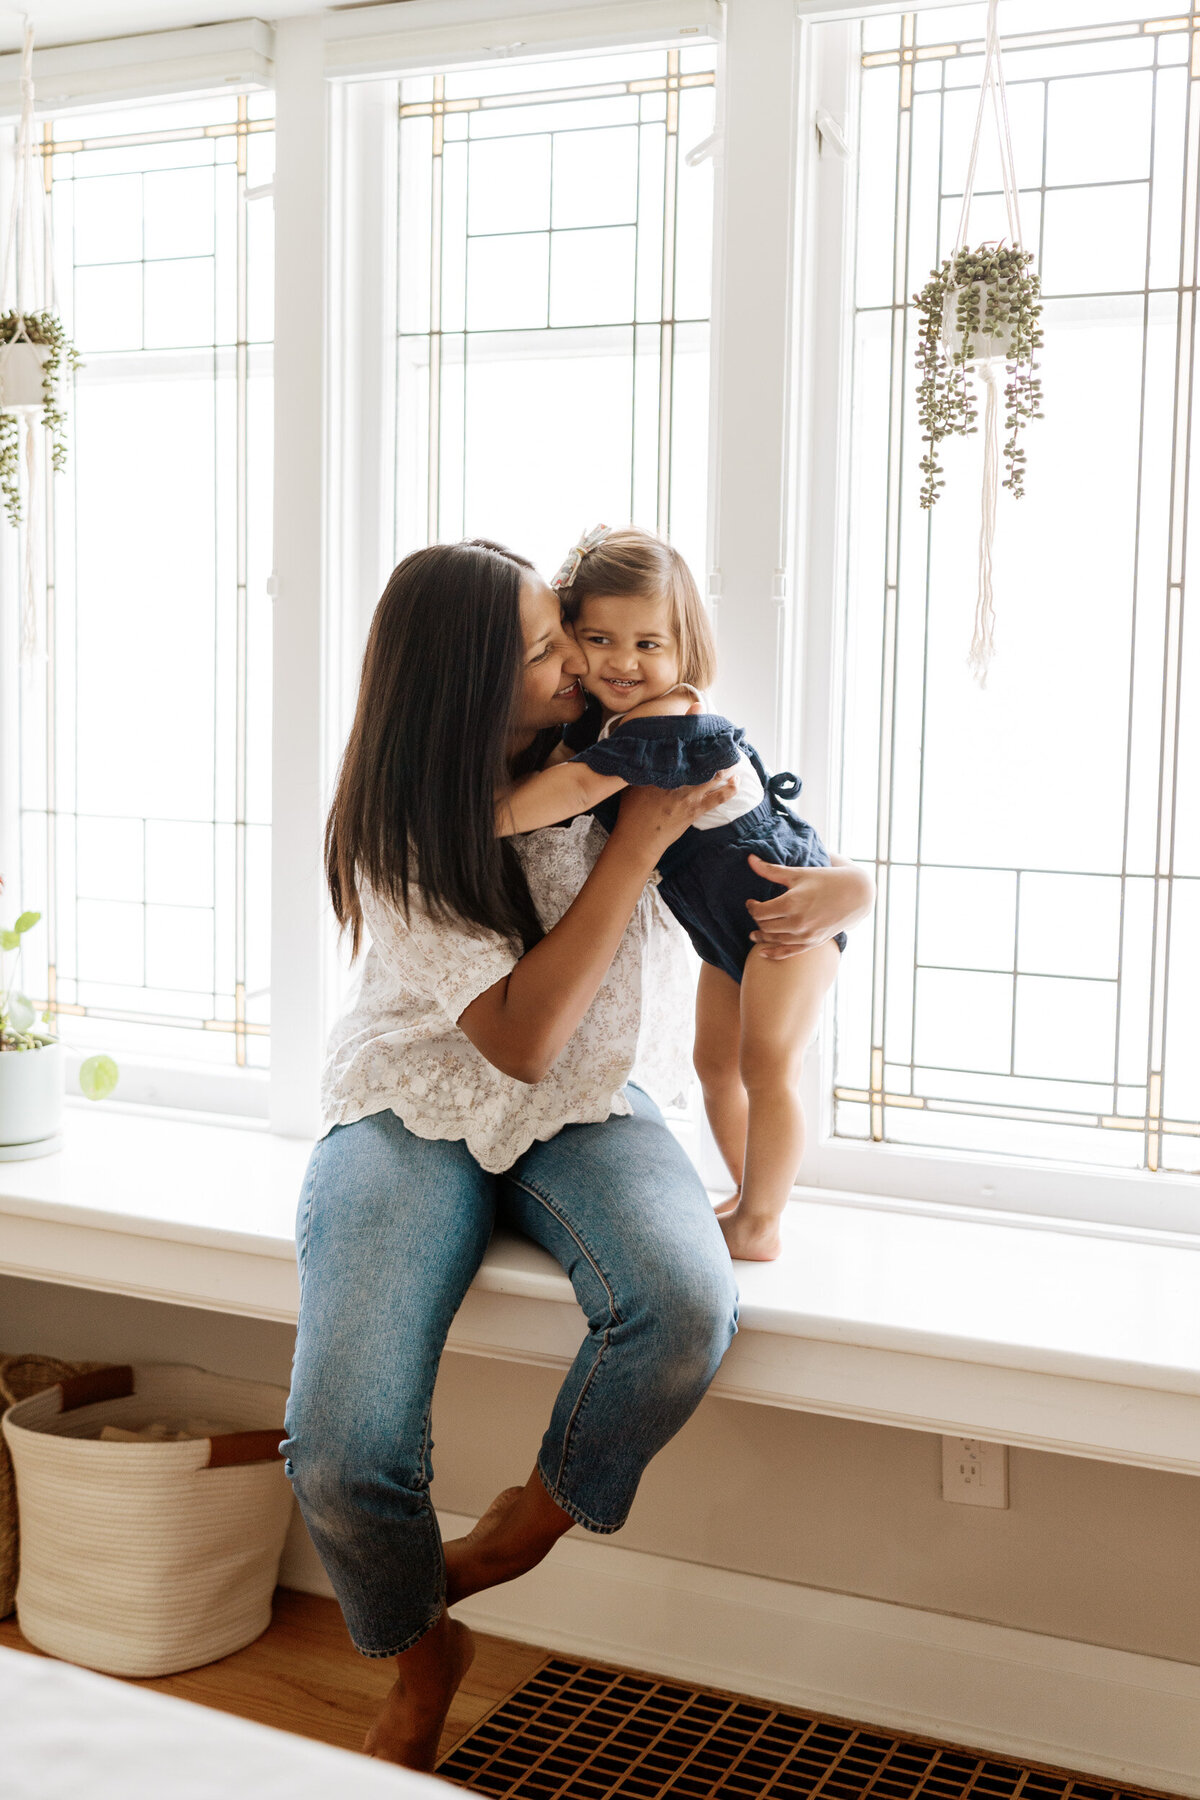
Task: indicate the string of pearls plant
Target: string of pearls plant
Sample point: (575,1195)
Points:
(43,328)
(981,304)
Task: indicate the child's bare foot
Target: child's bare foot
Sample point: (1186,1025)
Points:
(750,1239)
(410,1722)
(467,1557)
(724,1208)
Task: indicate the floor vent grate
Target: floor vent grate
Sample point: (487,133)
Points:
(578,1732)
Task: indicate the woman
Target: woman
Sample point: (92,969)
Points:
(482,1072)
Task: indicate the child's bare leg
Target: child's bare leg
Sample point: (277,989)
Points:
(780,1012)
(718,1036)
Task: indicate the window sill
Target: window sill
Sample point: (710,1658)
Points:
(1025,1330)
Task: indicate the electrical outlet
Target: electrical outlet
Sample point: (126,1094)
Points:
(974,1472)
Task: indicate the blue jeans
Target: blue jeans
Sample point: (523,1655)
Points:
(390,1232)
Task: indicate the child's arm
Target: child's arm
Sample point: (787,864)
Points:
(668,706)
(552,795)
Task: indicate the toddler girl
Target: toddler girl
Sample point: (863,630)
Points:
(638,620)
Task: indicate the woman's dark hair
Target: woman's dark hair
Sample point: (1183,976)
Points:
(426,758)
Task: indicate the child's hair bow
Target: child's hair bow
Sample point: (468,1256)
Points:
(575,555)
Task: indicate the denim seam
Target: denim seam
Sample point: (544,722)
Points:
(429,1520)
(310,1188)
(426,1445)
(408,1642)
(576,1512)
(545,1200)
(578,1408)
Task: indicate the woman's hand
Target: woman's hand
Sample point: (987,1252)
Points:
(652,818)
(522,1023)
(815,905)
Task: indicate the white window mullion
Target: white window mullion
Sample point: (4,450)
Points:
(298,905)
(825,211)
(362,376)
(752,288)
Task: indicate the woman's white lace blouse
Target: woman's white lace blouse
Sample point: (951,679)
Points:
(399,1047)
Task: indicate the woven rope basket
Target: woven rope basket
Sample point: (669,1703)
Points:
(147,1558)
(21,1376)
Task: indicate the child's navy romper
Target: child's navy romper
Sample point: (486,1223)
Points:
(705,877)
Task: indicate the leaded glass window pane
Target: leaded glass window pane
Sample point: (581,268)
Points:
(1031,988)
(553,301)
(145,733)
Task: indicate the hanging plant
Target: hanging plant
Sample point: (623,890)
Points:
(34,352)
(980,317)
(981,307)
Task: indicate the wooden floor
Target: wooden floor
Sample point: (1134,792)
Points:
(304,1675)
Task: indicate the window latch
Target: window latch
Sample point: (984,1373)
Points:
(831,134)
(709,146)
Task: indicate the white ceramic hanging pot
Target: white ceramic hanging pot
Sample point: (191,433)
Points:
(991,341)
(21,364)
(31,1102)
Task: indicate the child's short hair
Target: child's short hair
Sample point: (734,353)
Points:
(633,564)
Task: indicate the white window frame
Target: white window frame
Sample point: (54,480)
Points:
(73,82)
(825,207)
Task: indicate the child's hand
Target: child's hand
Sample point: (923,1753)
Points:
(815,905)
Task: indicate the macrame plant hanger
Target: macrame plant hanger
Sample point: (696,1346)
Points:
(991,363)
(27,287)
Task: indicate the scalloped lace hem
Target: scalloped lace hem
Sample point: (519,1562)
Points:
(495,1159)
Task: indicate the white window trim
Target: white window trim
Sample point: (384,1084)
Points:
(73,80)
(157,63)
(428,35)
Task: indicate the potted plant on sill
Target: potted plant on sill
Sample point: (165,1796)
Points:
(31,1063)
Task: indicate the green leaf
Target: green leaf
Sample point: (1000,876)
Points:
(9,940)
(26,922)
(20,1012)
(98,1076)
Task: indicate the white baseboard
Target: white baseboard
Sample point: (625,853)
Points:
(1107,1713)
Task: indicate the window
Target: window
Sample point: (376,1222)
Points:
(1031,989)
(553,301)
(518,265)
(145,734)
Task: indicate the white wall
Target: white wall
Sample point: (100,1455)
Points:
(1091,1551)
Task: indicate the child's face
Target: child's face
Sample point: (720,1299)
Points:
(632,653)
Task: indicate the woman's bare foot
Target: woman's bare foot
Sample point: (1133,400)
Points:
(465,1555)
(750,1239)
(410,1722)
(725,1208)
(515,1533)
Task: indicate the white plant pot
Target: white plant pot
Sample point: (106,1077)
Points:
(21,366)
(992,342)
(31,1102)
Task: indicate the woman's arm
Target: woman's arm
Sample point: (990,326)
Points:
(814,906)
(551,795)
(522,1023)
